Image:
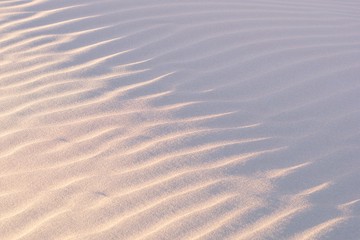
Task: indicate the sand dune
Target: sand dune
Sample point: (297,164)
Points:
(155,119)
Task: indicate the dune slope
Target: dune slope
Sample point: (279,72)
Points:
(201,119)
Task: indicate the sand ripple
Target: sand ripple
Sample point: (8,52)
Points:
(186,119)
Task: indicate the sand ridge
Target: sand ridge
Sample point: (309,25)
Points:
(157,119)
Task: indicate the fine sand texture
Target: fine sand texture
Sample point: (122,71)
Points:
(179,119)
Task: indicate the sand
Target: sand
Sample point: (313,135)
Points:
(192,119)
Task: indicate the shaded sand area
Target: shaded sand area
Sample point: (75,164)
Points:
(192,119)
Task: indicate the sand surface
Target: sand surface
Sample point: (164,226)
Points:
(184,119)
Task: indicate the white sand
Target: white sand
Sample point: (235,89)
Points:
(191,119)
